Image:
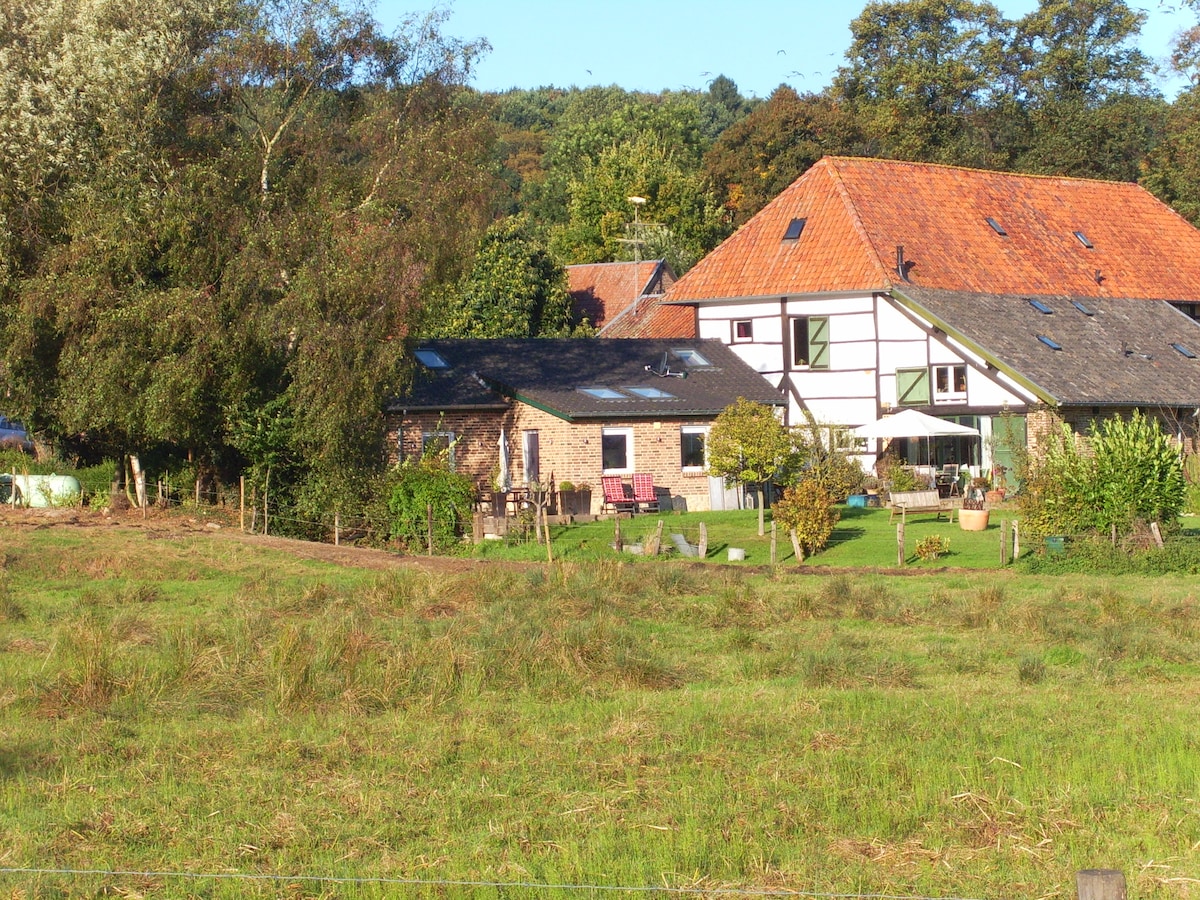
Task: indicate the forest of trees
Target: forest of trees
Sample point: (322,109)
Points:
(223,222)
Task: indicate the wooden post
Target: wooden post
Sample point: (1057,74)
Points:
(796,548)
(617,545)
(773,530)
(1157,533)
(1016,539)
(266,492)
(1100,884)
(546,528)
(702,550)
(1004,542)
(429,525)
(242,503)
(337,529)
(139,482)
(655,543)
(900,540)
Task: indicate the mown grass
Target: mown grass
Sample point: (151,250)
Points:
(201,705)
(862,538)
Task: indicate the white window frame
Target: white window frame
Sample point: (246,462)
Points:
(740,339)
(950,396)
(627,433)
(693,429)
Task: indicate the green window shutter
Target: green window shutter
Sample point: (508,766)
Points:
(912,387)
(818,341)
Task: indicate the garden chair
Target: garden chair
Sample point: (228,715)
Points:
(644,494)
(617,495)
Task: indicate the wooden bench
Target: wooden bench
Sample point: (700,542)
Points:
(920,502)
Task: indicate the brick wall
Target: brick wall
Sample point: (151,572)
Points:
(569,452)
(1043,422)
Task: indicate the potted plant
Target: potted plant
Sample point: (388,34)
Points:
(574,499)
(972,516)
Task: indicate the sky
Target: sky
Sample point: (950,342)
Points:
(654,45)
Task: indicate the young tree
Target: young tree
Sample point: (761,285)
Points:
(748,445)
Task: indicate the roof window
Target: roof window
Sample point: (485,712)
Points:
(1083,239)
(603,393)
(1049,342)
(795,229)
(690,357)
(1041,307)
(996,227)
(431,359)
(1083,309)
(650,393)
(1184,350)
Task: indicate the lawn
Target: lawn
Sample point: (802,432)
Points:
(863,538)
(198,704)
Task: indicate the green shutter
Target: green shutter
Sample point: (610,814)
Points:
(912,387)
(818,341)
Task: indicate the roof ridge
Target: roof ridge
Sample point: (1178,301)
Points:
(856,221)
(975,169)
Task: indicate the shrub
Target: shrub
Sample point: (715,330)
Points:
(903,479)
(416,487)
(932,546)
(807,510)
(1140,473)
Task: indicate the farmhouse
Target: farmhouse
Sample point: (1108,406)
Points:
(1005,302)
(520,412)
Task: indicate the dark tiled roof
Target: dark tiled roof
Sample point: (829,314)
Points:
(858,211)
(548,373)
(1120,355)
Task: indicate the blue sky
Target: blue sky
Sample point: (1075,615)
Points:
(658,44)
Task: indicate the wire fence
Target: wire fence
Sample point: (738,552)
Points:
(499,886)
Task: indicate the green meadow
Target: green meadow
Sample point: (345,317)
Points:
(224,720)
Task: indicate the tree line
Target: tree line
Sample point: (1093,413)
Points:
(223,222)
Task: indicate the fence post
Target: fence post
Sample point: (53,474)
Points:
(900,540)
(242,503)
(1100,884)
(429,525)
(337,529)
(702,549)
(772,543)
(1004,542)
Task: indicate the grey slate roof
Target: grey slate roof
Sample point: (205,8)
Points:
(549,372)
(1121,355)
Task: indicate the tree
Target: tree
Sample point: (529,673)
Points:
(513,289)
(748,445)
(921,72)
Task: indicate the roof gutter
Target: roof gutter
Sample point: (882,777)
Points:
(1033,387)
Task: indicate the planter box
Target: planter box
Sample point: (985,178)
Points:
(973,519)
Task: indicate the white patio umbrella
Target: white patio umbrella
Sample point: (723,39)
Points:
(505,484)
(911,423)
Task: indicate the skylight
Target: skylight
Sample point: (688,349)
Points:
(795,229)
(650,393)
(1083,309)
(1083,239)
(1041,307)
(1049,342)
(603,393)
(690,357)
(1184,350)
(431,359)
(996,227)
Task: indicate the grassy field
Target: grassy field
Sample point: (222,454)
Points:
(198,704)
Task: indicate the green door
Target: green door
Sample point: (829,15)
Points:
(1008,437)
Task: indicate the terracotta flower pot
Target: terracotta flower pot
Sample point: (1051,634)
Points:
(994,496)
(973,519)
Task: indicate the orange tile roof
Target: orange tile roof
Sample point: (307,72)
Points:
(859,210)
(601,291)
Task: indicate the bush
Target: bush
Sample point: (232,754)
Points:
(932,546)
(808,510)
(418,486)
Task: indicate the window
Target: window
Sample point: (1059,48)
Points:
(810,342)
(1041,307)
(650,393)
(616,450)
(949,384)
(1082,308)
(912,387)
(692,439)
(1050,342)
(1082,238)
(690,358)
(743,330)
(1184,350)
(603,393)
(795,229)
(439,443)
(996,227)
(532,456)
(431,359)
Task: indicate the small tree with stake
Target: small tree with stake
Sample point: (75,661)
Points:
(748,445)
